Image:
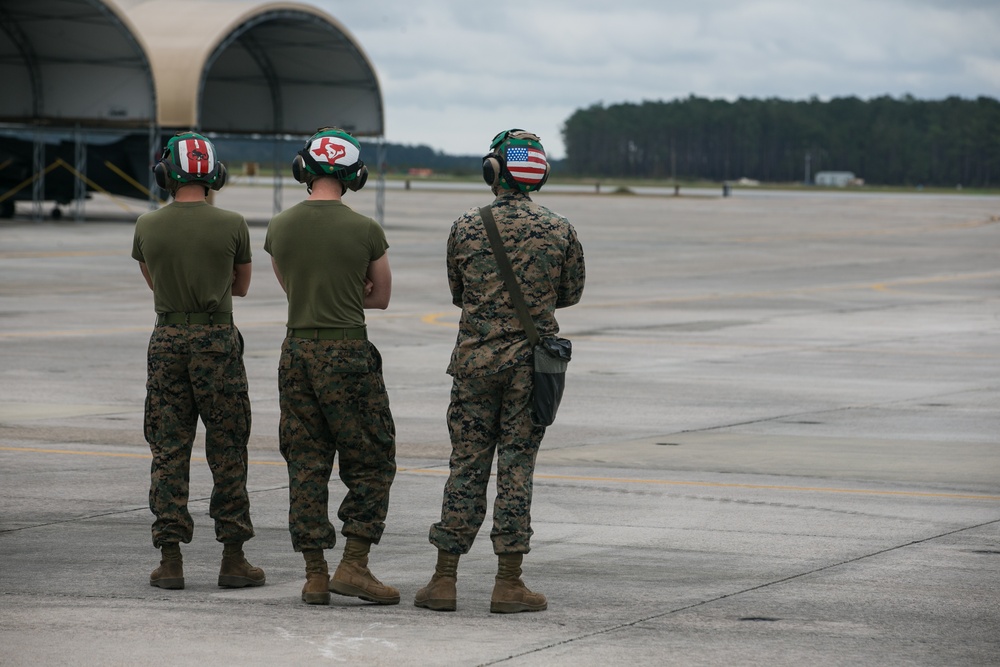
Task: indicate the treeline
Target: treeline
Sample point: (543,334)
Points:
(399,158)
(884,140)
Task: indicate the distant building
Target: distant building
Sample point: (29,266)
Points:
(837,179)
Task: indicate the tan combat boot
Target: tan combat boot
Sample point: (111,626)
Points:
(440,594)
(236,572)
(170,574)
(317,578)
(354,579)
(510,595)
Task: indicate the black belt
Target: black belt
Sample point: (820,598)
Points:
(356,333)
(194,318)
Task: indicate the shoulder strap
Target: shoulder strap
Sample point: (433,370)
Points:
(516,296)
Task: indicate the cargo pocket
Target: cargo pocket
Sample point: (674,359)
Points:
(220,378)
(373,405)
(150,418)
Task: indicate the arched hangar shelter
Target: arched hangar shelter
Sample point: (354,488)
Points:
(74,72)
(267,70)
(245,67)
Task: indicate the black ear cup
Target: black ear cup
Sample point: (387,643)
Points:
(491,170)
(360,180)
(220,180)
(299,169)
(160,174)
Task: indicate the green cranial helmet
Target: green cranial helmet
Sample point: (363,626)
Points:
(516,161)
(189,157)
(331,152)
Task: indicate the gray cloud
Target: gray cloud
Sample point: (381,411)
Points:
(454,73)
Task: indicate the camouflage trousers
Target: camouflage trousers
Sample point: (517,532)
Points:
(486,415)
(334,402)
(197,371)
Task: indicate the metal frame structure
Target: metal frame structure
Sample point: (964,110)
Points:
(59,60)
(237,69)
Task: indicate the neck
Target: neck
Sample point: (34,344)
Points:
(190,193)
(326,189)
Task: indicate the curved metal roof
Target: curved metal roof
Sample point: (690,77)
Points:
(225,66)
(73,62)
(87,67)
(271,68)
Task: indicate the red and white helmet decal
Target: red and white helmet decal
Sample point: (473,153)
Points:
(195,156)
(334,151)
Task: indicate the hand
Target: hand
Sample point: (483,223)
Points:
(369,286)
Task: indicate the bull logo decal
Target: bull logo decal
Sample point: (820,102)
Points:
(197,155)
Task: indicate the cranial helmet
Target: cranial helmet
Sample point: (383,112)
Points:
(331,152)
(189,157)
(516,161)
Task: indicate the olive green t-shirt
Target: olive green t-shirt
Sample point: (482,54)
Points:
(323,249)
(189,249)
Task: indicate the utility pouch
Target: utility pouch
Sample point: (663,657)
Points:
(551,356)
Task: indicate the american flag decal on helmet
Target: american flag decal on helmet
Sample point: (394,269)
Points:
(526,164)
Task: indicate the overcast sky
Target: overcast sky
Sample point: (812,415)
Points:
(455,72)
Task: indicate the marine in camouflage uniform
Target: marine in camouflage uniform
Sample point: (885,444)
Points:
(492,369)
(332,264)
(195,257)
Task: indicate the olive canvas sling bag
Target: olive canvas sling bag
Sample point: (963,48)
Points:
(550,354)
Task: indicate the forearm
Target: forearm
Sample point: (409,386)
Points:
(241,279)
(277,274)
(145,274)
(379,276)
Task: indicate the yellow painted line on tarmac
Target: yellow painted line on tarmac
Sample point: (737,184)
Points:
(575,478)
(39,450)
(445,319)
(434,319)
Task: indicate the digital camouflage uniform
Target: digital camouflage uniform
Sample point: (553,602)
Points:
(332,394)
(333,401)
(491,366)
(195,370)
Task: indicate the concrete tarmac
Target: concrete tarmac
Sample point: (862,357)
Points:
(779,445)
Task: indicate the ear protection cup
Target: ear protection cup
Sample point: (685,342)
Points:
(491,170)
(362,178)
(220,180)
(160,174)
(299,168)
